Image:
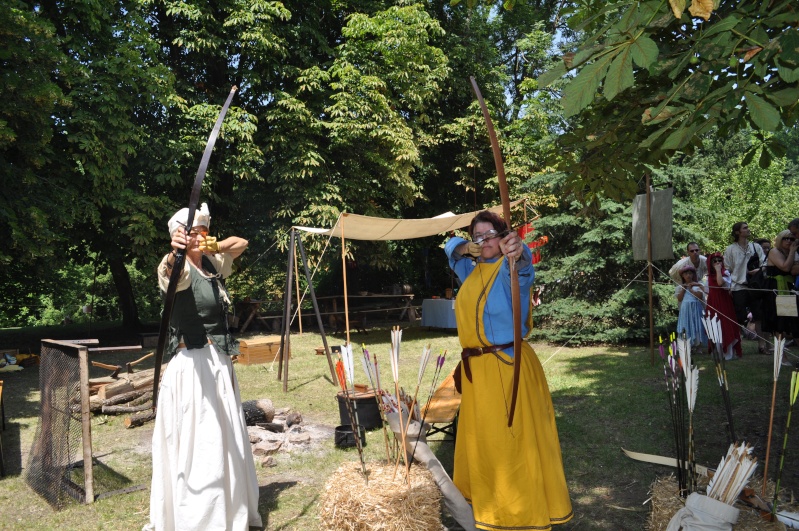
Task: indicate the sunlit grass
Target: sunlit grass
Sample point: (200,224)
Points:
(605,398)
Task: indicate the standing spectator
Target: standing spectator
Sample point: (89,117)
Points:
(793,226)
(764,244)
(691,299)
(719,303)
(694,258)
(780,261)
(736,260)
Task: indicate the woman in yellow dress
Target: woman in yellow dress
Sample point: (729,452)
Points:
(512,476)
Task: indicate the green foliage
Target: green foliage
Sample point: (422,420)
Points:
(666,78)
(761,197)
(73,287)
(593,291)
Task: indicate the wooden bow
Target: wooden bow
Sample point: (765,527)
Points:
(177,268)
(516,301)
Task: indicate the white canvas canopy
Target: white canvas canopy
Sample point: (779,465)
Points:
(358,227)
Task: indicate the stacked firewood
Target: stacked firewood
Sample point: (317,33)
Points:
(125,392)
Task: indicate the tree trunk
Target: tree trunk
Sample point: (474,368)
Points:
(125,397)
(114,410)
(142,380)
(127,302)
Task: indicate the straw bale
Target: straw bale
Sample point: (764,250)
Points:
(666,502)
(385,503)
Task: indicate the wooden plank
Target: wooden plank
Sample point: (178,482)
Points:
(86,425)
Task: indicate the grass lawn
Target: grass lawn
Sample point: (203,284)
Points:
(605,398)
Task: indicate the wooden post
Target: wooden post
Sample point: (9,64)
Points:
(316,309)
(86,424)
(344,275)
(285,336)
(297,282)
(649,267)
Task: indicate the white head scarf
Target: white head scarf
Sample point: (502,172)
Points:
(202,218)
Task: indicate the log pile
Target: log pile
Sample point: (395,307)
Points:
(127,393)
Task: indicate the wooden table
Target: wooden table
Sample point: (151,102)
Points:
(406,308)
(439,313)
(250,310)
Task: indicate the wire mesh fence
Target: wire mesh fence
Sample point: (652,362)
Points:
(60,461)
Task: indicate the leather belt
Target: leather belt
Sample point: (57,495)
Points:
(479,351)
(183,345)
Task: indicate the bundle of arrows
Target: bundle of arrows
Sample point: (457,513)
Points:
(732,474)
(713,328)
(345,374)
(779,347)
(681,375)
(401,402)
(691,380)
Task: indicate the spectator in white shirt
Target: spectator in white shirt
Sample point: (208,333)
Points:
(694,258)
(736,260)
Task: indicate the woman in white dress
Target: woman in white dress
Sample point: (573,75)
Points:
(203,469)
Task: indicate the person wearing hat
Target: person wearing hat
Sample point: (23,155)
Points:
(203,468)
(721,306)
(691,300)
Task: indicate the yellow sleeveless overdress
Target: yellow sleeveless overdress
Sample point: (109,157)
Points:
(513,477)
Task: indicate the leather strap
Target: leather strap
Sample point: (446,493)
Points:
(183,345)
(479,351)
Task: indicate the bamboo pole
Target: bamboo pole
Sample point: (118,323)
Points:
(344,276)
(778,348)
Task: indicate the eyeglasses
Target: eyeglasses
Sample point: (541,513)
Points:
(693,250)
(789,239)
(199,232)
(718,260)
(480,237)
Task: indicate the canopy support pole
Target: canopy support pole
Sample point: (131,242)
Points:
(311,291)
(285,333)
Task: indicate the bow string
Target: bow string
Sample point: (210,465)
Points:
(180,256)
(516,303)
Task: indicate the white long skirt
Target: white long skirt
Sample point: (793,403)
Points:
(203,469)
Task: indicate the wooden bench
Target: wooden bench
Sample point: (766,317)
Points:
(442,411)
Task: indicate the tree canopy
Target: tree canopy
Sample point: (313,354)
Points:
(652,77)
(366,107)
